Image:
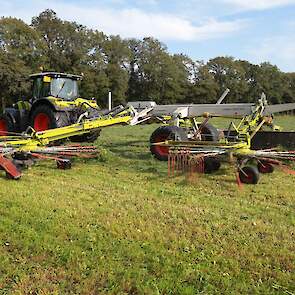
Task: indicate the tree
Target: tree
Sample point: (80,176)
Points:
(229,74)
(202,88)
(13,78)
(156,75)
(95,82)
(23,42)
(21,52)
(254,88)
(117,55)
(271,81)
(152,58)
(134,91)
(289,89)
(67,43)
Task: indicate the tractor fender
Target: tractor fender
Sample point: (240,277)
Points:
(42,101)
(50,103)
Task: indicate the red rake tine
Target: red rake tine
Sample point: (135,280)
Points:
(287,169)
(238,180)
(173,164)
(169,164)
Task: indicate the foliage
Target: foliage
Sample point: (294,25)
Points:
(12,73)
(66,42)
(229,74)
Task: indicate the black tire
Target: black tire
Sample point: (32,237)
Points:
(249,175)
(265,167)
(22,160)
(6,125)
(64,164)
(165,133)
(211,165)
(52,118)
(210,133)
(88,137)
(10,177)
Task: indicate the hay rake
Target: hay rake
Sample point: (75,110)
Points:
(18,151)
(206,156)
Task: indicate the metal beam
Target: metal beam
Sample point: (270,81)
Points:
(197,110)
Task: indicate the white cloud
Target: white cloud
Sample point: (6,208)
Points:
(258,4)
(215,29)
(130,22)
(277,50)
(136,23)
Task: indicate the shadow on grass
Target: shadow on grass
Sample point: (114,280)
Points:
(129,154)
(126,150)
(139,143)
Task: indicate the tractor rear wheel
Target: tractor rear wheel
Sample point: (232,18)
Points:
(6,125)
(165,133)
(45,117)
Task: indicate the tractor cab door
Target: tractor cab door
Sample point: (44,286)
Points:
(41,88)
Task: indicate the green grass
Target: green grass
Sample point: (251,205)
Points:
(119,225)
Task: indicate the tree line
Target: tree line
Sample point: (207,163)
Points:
(131,69)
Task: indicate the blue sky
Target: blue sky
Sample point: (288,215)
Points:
(255,30)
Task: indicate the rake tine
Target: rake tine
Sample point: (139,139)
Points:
(169,163)
(173,165)
(188,155)
(183,160)
(237,174)
(238,180)
(285,168)
(180,160)
(192,166)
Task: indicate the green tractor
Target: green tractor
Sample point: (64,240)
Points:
(55,102)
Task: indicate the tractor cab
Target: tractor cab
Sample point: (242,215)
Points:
(58,85)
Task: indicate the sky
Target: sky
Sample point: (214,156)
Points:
(253,30)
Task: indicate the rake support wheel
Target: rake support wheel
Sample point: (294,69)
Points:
(209,133)
(249,175)
(211,165)
(64,164)
(265,167)
(161,134)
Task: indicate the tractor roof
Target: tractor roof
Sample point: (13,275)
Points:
(56,75)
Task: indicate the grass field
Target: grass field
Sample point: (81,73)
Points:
(119,225)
